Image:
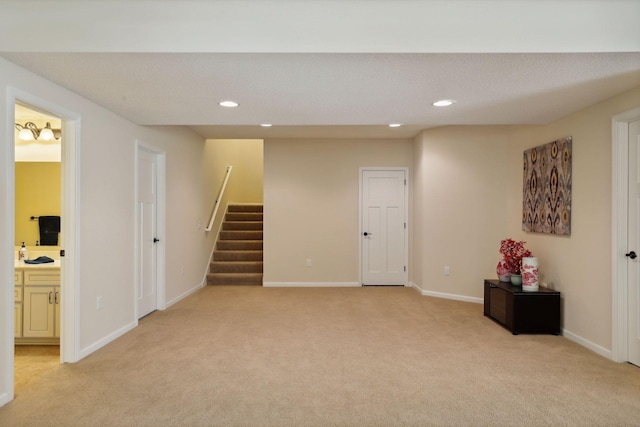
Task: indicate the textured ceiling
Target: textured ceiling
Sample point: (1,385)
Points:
(338,90)
(311,94)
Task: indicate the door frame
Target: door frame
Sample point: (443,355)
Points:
(619,204)
(161,171)
(70,219)
(360,211)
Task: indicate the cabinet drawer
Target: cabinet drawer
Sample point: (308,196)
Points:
(42,277)
(17,277)
(17,294)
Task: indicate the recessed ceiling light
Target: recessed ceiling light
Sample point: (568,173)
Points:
(444,102)
(229,104)
(395,125)
(266,125)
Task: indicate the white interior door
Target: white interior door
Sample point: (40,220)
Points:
(384,227)
(633,296)
(146,286)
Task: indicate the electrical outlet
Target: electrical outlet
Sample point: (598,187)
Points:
(447,271)
(308,263)
(199,225)
(99,302)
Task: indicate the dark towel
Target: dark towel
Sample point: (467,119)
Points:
(39,260)
(49,229)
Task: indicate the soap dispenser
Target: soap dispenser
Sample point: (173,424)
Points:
(24,253)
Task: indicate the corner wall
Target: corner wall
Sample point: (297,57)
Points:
(578,265)
(190,186)
(460,208)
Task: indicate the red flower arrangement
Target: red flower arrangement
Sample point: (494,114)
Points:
(512,253)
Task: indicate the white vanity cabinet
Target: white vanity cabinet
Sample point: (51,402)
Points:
(40,306)
(40,311)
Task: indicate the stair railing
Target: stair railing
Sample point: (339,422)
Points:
(219,198)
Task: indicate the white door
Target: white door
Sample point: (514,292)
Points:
(384,227)
(633,287)
(146,286)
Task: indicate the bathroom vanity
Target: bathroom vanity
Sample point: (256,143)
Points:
(37,303)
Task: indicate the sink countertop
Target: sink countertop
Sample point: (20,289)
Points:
(21,265)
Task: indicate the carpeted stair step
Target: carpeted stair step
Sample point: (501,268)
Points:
(251,279)
(244,208)
(240,235)
(240,255)
(244,216)
(239,245)
(237,258)
(236,267)
(242,225)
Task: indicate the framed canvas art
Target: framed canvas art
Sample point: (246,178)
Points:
(546,196)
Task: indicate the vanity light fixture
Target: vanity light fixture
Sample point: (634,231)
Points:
(29,132)
(229,104)
(444,102)
(395,125)
(46,134)
(266,125)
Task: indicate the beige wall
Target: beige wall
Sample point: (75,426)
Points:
(311,196)
(106,205)
(468,196)
(189,189)
(246,180)
(460,181)
(578,265)
(37,193)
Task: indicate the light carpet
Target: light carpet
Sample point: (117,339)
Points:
(254,356)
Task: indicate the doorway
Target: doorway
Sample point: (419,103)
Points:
(69,345)
(633,276)
(626,237)
(383,226)
(150,220)
(38,200)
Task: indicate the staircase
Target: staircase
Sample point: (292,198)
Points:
(237,258)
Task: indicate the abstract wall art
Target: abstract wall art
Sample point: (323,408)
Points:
(546,196)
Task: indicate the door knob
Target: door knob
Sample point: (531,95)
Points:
(631,255)
(367,234)
(156,240)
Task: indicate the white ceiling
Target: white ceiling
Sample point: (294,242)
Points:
(311,68)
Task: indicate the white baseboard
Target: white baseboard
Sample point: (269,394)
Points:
(4,399)
(310,284)
(185,294)
(587,344)
(565,333)
(117,334)
(106,340)
(446,296)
